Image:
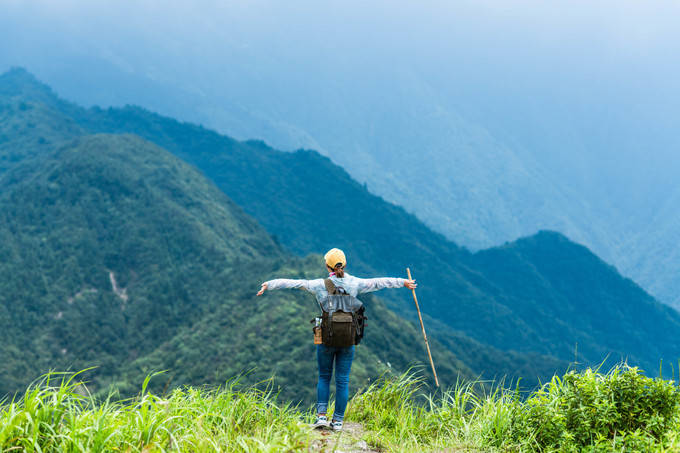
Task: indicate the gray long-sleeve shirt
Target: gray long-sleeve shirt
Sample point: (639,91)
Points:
(352,285)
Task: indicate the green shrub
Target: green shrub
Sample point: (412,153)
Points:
(621,408)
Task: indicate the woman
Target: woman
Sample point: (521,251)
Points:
(327,355)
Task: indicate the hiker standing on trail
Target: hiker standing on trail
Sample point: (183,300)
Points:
(341,328)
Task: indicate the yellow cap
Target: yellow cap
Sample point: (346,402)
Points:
(335,256)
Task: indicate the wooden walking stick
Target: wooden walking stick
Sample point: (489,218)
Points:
(415,299)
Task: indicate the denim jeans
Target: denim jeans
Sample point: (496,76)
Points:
(325,356)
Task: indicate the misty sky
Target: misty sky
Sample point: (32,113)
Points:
(578,47)
(484,57)
(569,82)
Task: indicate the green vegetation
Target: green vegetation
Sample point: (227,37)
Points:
(93,271)
(117,253)
(95,274)
(63,417)
(621,410)
(540,296)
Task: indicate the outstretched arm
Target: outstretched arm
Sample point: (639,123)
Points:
(366,285)
(288,283)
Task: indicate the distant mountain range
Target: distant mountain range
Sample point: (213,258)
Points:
(487,123)
(487,169)
(117,252)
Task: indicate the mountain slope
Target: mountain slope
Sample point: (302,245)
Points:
(649,256)
(285,192)
(310,204)
(92,270)
(577,295)
(117,254)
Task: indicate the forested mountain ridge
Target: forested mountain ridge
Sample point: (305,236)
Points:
(93,272)
(543,265)
(288,194)
(116,254)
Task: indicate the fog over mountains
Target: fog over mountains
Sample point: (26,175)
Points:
(489,121)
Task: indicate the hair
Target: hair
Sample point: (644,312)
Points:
(339,270)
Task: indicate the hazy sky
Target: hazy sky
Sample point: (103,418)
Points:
(570,82)
(565,51)
(571,79)
(562,38)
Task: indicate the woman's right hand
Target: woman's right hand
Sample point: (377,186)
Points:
(263,289)
(410,284)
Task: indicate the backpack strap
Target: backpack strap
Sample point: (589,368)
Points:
(330,287)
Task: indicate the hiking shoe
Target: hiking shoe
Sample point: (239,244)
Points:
(336,425)
(321,422)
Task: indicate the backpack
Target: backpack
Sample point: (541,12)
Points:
(342,320)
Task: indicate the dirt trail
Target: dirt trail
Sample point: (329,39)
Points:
(347,441)
(350,441)
(120,292)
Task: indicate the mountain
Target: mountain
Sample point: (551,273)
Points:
(93,272)
(547,306)
(464,291)
(482,321)
(648,254)
(579,296)
(117,254)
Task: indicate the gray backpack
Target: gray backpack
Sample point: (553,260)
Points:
(342,320)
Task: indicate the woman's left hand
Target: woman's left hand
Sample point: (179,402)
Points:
(410,284)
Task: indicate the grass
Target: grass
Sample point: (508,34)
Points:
(621,410)
(56,418)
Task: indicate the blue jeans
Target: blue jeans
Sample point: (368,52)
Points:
(325,355)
